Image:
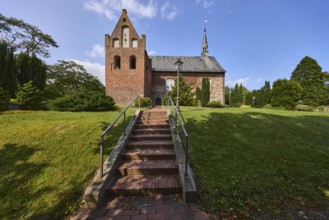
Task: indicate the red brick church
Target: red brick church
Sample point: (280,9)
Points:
(130,71)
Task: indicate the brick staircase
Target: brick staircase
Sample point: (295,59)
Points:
(148,165)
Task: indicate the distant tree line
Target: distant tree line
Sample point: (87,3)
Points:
(27,81)
(308,87)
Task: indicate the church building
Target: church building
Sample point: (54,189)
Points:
(130,71)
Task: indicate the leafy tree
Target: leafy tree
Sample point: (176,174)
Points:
(286,93)
(309,75)
(29,96)
(24,37)
(205,94)
(67,77)
(185,91)
(83,101)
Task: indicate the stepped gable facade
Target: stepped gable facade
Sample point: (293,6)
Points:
(129,71)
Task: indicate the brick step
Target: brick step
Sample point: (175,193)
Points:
(150,167)
(149,154)
(144,186)
(151,131)
(152,126)
(165,144)
(152,122)
(153,119)
(147,137)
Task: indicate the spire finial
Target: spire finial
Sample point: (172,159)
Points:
(204,50)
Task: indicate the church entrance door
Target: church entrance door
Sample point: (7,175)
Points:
(158,101)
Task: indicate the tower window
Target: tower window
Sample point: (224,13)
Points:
(134,43)
(124,19)
(125,36)
(117,63)
(132,62)
(115,42)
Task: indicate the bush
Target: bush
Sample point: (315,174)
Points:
(215,104)
(144,102)
(83,101)
(29,96)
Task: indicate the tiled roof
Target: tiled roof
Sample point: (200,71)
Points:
(191,64)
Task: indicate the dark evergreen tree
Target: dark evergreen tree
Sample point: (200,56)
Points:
(205,98)
(185,92)
(309,75)
(8,70)
(236,96)
(4,96)
(248,98)
(286,93)
(227,95)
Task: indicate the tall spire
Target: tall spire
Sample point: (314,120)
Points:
(204,52)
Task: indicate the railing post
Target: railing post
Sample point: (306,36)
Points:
(139,103)
(124,123)
(186,154)
(101,160)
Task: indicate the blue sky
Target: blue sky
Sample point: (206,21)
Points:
(254,40)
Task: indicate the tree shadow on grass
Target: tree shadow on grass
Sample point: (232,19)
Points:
(15,175)
(258,164)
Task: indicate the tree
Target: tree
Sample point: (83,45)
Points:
(237,95)
(198,94)
(205,95)
(227,95)
(29,96)
(24,37)
(248,98)
(286,93)
(4,96)
(309,75)
(8,70)
(67,77)
(185,92)
(32,69)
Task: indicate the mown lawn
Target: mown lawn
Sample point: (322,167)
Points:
(47,159)
(260,163)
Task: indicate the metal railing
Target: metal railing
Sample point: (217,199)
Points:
(108,129)
(178,118)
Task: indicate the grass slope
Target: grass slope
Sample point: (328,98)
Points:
(47,159)
(256,162)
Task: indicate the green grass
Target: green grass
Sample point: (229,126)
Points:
(257,162)
(47,159)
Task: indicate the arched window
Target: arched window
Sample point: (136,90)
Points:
(134,43)
(117,63)
(115,42)
(169,84)
(132,62)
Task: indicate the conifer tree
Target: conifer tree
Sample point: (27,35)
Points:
(309,75)
(205,98)
(285,93)
(29,96)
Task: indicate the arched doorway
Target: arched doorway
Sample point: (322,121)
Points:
(158,101)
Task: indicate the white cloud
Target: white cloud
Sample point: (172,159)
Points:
(205,3)
(151,53)
(97,51)
(112,8)
(242,81)
(168,11)
(94,68)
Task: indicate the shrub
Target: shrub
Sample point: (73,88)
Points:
(215,104)
(83,101)
(29,96)
(146,101)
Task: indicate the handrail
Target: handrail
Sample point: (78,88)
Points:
(108,129)
(178,116)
